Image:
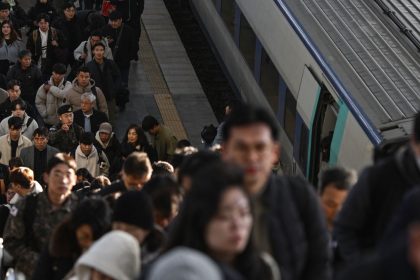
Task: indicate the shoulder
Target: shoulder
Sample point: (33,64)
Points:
(26,140)
(26,151)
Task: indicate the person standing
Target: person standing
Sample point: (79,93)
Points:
(13,142)
(19,110)
(87,117)
(10,46)
(163,139)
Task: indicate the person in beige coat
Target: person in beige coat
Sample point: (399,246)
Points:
(12,143)
(81,84)
(51,95)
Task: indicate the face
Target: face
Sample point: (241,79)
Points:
(84,236)
(97,275)
(132,136)
(69,13)
(4,14)
(15,133)
(86,149)
(57,78)
(43,25)
(18,112)
(252,148)
(60,180)
(40,142)
(9,195)
(26,61)
(132,182)
(14,93)
(154,130)
(98,52)
(228,232)
(104,137)
(83,79)
(138,233)
(5,29)
(94,40)
(115,23)
(332,200)
(86,106)
(67,118)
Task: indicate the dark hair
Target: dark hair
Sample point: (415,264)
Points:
(416,129)
(12,83)
(24,53)
(137,164)
(4,6)
(86,138)
(15,122)
(161,190)
(96,32)
(13,34)
(22,176)
(141,137)
(83,69)
(40,131)
(61,158)
(183,143)
(162,168)
(99,44)
(149,122)
(85,174)
(68,5)
(246,115)
(200,206)
(19,102)
(43,16)
(341,178)
(195,162)
(59,68)
(15,162)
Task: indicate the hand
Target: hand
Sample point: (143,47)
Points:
(64,127)
(83,56)
(110,40)
(47,87)
(54,43)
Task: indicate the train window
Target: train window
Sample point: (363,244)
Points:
(270,81)
(303,149)
(290,116)
(228,14)
(247,42)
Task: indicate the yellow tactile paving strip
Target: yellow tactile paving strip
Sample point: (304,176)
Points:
(161,91)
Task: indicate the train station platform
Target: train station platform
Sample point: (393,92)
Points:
(163,82)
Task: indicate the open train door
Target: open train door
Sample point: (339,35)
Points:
(318,112)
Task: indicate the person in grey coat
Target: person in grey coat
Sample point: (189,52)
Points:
(10,46)
(29,124)
(40,153)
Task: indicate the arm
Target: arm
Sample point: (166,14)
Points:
(79,51)
(103,106)
(104,171)
(60,93)
(41,102)
(3,128)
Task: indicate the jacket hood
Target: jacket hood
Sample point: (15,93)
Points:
(116,254)
(103,145)
(81,90)
(92,154)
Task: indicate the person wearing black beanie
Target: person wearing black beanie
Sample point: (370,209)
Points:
(133,213)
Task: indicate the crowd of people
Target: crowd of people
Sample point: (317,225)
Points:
(78,203)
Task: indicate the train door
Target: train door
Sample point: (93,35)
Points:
(318,113)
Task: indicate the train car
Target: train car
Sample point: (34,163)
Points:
(301,59)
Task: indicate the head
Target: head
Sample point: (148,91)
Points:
(135,136)
(40,138)
(83,76)
(136,170)
(215,216)
(166,197)
(65,114)
(87,101)
(22,179)
(250,140)
(7,29)
(105,132)
(83,175)
(183,143)
(43,21)
(335,184)
(4,11)
(15,163)
(58,72)
(162,169)
(60,175)
(98,51)
(69,10)
(13,89)
(18,107)
(150,124)
(95,37)
(15,128)
(25,58)
(415,137)
(86,143)
(115,19)
(133,213)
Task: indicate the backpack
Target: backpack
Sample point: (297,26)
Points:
(208,133)
(94,92)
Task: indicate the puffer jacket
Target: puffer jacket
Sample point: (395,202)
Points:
(92,162)
(6,150)
(48,103)
(27,130)
(75,91)
(86,47)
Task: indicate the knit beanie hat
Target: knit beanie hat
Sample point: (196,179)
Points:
(134,208)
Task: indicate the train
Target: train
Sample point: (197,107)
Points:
(337,93)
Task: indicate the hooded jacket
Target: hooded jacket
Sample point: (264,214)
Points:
(92,162)
(116,254)
(112,149)
(48,103)
(86,47)
(27,130)
(6,150)
(73,94)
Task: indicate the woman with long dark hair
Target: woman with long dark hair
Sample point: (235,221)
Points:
(135,140)
(215,219)
(10,46)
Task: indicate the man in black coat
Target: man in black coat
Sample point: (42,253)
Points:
(108,142)
(106,75)
(131,11)
(371,203)
(288,220)
(87,117)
